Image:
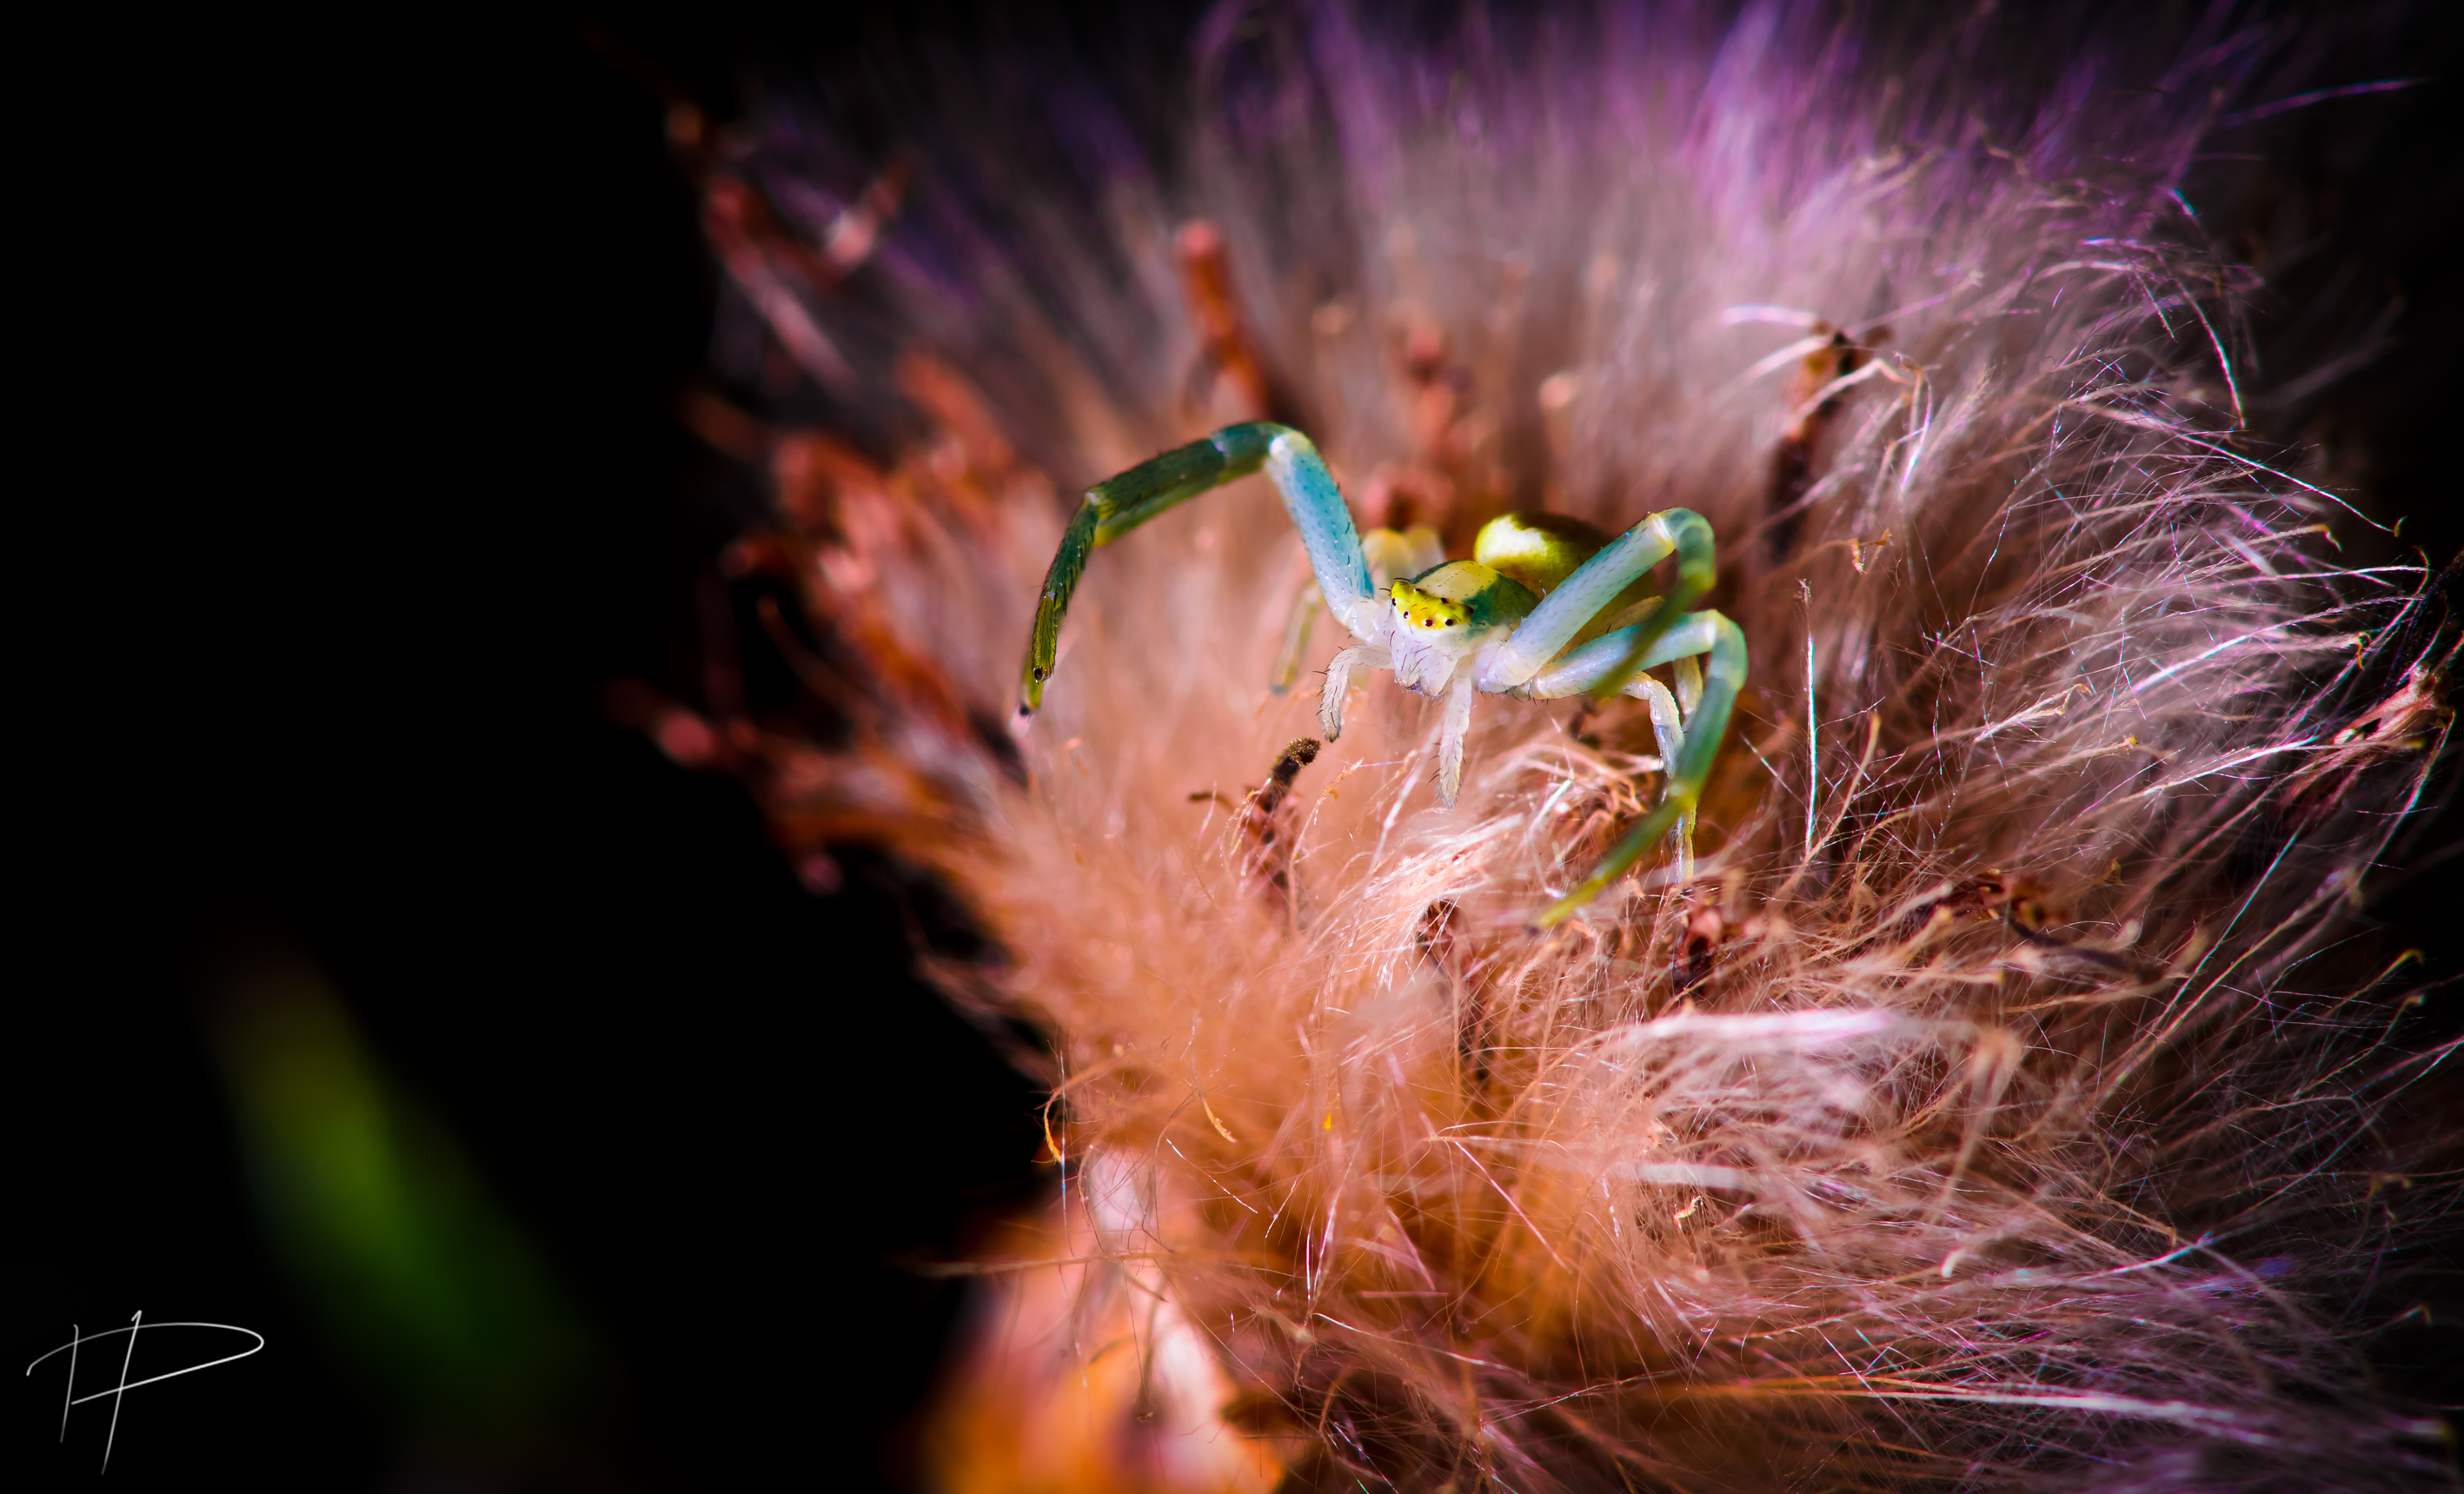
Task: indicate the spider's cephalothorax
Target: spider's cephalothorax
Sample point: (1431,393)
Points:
(1547,607)
(1442,618)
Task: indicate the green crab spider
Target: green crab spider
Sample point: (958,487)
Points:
(1547,607)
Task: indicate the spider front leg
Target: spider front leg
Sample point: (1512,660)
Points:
(1117,505)
(1339,670)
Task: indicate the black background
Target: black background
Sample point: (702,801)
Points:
(360,478)
(347,478)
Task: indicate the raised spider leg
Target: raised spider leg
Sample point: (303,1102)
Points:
(1686,775)
(1117,505)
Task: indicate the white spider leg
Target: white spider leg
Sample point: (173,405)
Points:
(1665,726)
(1578,599)
(1587,669)
(1338,682)
(1450,738)
(1364,618)
(1325,524)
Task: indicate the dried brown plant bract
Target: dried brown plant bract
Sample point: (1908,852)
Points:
(1262,821)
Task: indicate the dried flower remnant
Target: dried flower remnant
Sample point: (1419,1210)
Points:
(1992,1105)
(2410,723)
(1828,364)
(1227,382)
(1262,821)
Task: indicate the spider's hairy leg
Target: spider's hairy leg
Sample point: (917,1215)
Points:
(1117,505)
(1450,737)
(1721,682)
(1338,683)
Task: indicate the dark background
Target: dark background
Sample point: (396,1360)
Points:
(350,477)
(361,478)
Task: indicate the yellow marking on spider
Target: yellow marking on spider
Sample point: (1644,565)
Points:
(1427,609)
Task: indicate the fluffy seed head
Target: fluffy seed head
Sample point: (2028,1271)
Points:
(1995,1103)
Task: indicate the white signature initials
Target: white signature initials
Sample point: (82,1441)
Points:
(70,1397)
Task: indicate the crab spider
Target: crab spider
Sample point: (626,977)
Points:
(1545,609)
